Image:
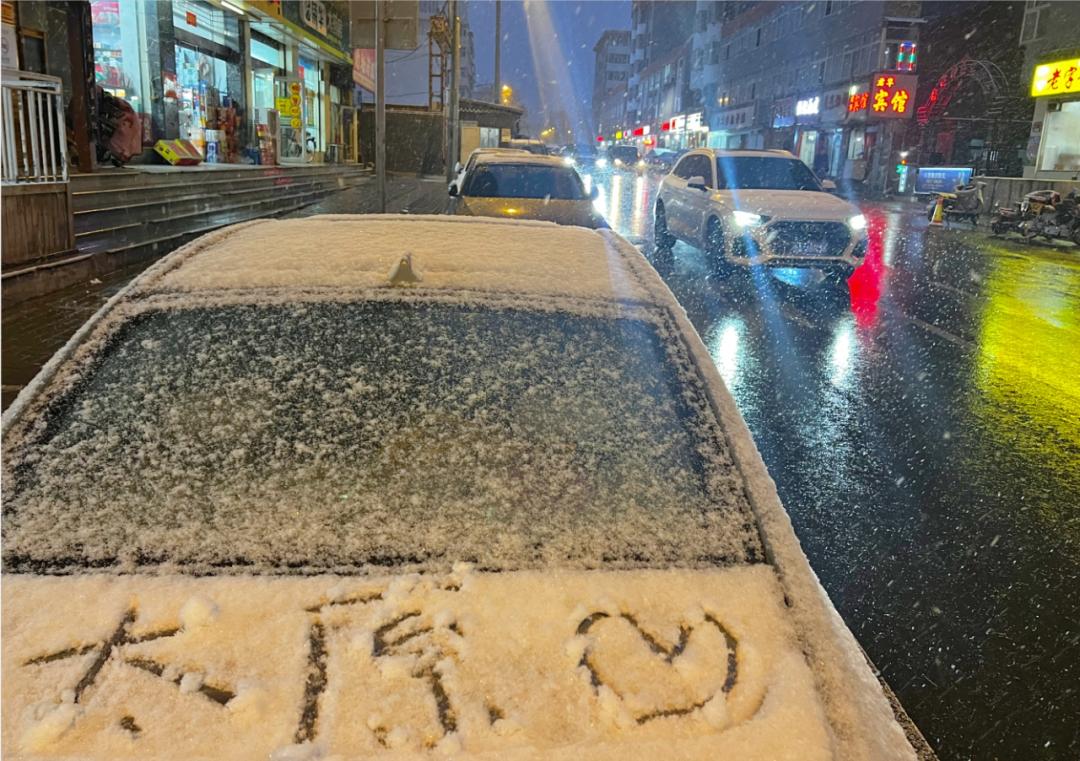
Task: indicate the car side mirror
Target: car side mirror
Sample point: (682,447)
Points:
(697,182)
(452,190)
(594,193)
(828,186)
(457,168)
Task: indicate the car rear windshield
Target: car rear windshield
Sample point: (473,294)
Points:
(525,181)
(334,436)
(764,172)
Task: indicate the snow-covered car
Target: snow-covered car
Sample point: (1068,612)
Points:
(525,186)
(373,487)
(461,170)
(758,208)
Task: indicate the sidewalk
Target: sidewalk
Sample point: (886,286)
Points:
(34,329)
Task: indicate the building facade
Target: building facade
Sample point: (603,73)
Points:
(832,81)
(1051,73)
(656,29)
(611,71)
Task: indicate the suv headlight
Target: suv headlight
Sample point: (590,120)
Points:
(747,218)
(858,222)
(601,163)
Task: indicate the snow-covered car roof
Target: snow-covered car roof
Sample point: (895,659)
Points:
(452,253)
(262,349)
(534,159)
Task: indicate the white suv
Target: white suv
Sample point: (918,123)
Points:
(749,208)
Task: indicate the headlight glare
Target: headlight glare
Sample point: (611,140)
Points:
(858,222)
(747,218)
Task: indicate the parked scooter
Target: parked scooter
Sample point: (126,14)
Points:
(965,203)
(1008,219)
(1060,221)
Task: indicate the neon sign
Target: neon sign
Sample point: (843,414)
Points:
(858,102)
(1056,78)
(891,96)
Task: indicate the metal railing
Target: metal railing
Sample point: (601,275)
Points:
(34,132)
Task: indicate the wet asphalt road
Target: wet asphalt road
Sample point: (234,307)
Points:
(923,429)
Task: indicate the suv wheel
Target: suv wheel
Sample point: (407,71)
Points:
(662,239)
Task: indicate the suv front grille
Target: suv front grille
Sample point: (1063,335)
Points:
(808,238)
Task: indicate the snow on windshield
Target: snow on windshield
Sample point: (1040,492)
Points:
(340,436)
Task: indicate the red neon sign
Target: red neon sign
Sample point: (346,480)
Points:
(858,102)
(638,132)
(665,127)
(599,138)
(891,96)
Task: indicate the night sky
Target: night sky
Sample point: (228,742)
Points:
(577,25)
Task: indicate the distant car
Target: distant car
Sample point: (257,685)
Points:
(581,156)
(625,158)
(421,487)
(660,159)
(758,208)
(461,171)
(526,187)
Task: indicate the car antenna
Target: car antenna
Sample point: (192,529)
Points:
(403,272)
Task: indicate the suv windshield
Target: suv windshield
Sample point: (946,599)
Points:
(345,436)
(765,173)
(525,181)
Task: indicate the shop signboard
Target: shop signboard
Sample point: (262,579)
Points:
(363,71)
(941,179)
(734,119)
(892,95)
(1057,78)
(834,105)
(807,110)
(322,19)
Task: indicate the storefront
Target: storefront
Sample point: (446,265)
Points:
(734,128)
(1054,145)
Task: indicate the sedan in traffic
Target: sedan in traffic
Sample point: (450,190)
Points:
(526,187)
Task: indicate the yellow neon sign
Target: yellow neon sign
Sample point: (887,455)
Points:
(1056,78)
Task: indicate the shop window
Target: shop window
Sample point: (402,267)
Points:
(206,21)
(857,144)
(1060,149)
(120,51)
(203,88)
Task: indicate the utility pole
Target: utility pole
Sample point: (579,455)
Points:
(453,141)
(380,109)
(496,83)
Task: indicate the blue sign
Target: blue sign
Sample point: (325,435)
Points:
(941,179)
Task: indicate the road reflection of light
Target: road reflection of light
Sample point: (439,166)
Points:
(724,349)
(638,210)
(867,281)
(843,346)
(586,180)
(614,207)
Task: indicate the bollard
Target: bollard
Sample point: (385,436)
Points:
(939,211)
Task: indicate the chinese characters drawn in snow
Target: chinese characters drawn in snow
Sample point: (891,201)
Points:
(391,666)
(120,647)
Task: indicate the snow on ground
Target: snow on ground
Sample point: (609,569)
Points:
(450,252)
(522,665)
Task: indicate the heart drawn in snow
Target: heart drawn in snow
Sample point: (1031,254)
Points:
(653,678)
